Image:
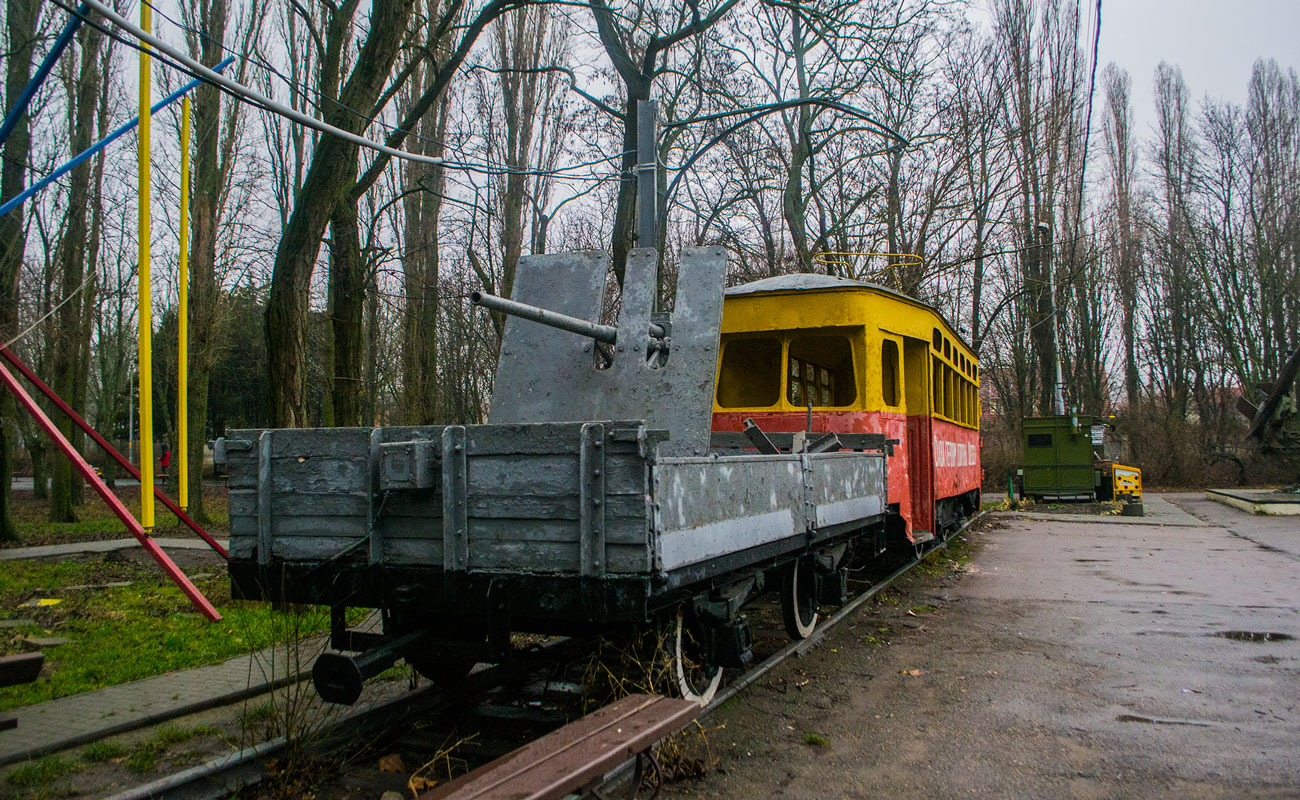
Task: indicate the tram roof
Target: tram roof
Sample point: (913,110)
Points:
(814,281)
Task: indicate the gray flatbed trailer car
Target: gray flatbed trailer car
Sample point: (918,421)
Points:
(594,496)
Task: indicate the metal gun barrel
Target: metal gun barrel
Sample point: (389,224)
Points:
(601,333)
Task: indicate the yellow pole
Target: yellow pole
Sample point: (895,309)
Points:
(183,315)
(145,313)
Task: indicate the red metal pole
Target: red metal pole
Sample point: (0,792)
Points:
(108,448)
(97,483)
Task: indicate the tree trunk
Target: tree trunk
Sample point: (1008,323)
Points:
(420,273)
(329,182)
(20,23)
(347,294)
(67,369)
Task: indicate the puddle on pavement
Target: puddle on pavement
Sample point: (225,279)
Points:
(1159,721)
(1254,636)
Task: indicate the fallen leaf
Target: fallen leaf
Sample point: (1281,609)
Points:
(391,763)
(915,673)
(417,784)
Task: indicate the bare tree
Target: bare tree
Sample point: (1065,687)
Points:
(1124,249)
(82,85)
(20,46)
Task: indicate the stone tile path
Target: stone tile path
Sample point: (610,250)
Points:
(78,719)
(105,546)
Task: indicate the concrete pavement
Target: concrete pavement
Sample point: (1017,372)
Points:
(1076,660)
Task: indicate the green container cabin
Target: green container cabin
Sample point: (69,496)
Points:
(1058,458)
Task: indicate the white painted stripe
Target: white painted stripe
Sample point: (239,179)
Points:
(692,545)
(854,508)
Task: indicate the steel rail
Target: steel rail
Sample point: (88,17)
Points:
(620,776)
(219,777)
(804,645)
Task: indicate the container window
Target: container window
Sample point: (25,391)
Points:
(821,371)
(889,372)
(751,373)
(1040,440)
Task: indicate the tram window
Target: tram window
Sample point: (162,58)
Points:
(889,372)
(751,373)
(936,339)
(947,349)
(1040,440)
(936,380)
(821,371)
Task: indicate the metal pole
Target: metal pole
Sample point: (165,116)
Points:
(647,170)
(20,107)
(122,461)
(183,321)
(130,419)
(144,349)
(90,152)
(111,500)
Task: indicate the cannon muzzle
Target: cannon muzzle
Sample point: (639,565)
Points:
(607,334)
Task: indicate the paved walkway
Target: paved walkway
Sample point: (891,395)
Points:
(78,719)
(104,546)
(1076,661)
(1159,511)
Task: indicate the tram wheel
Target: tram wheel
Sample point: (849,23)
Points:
(799,599)
(697,681)
(445,673)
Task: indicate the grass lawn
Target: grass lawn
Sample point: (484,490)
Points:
(123,633)
(96,522)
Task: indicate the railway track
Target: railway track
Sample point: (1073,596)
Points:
(486,689)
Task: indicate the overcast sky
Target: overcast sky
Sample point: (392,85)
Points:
(1214,42)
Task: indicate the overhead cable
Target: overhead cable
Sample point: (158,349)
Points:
(248,94)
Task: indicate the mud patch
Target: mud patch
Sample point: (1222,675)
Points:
(1254,636)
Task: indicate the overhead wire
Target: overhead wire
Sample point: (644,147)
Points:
(462,165)
(254,97)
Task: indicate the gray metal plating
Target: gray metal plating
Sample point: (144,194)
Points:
(546,375)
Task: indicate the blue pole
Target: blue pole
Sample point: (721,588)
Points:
(89,152)
(47,64)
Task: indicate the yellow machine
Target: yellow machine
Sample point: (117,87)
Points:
(1126,482)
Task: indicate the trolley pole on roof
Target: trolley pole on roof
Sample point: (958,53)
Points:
(647,172)
(144,347)
(183,321)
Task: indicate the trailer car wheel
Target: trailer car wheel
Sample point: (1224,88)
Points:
(445,673)
(799,599)
(697,681)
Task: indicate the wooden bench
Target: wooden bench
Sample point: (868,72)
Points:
(576,756)
(15,670)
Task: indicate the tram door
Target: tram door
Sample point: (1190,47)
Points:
(920,439)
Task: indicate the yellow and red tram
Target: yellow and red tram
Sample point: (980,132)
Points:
(827,354)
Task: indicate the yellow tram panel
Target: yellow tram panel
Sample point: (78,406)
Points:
(764,332)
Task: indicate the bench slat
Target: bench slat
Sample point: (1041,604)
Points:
(18,669)
(570,758)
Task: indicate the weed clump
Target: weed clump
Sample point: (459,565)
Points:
(816,740)
(99,752)
(642,663)
(38,773)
